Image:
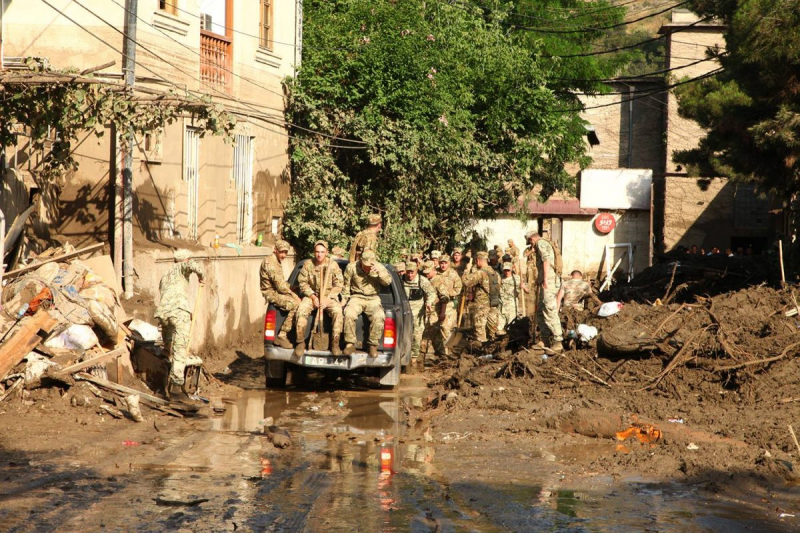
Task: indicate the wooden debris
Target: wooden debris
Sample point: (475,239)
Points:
(65,257)
(116,413)
(30,334)
(91,362)
(11,389)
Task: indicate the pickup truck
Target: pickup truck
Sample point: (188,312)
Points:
(284,368)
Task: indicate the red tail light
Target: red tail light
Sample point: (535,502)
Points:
(389,333)
(269,325)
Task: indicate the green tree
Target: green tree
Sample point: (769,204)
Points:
(456,114)
(751,108)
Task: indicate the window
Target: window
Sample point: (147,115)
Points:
(265,40)
(170,6)
(191,175)
(276,224)
(243,178)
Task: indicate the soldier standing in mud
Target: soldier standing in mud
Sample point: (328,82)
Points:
(548,263)
(276,290)
(486,298)
(174,315)
(448,288)
(363,280)
(320,282)
(422,298)
(510,288)
(530,277)
(366,239)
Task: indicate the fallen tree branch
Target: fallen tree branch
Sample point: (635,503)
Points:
(676,359)
(760,361)
(670,317)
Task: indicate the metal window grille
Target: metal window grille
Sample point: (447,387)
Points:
(243,178)
(191,175)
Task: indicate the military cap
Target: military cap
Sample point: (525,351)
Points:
(400,266)
(458,251)
(483,255)
(338,251)
(428,266)
(444,257)
(492,253)
(374,219)
(416,256)
(436,254)
(281,246)
(530,234)
(368,258)
(181,255)
(508,266)
(321,242)
(412,267)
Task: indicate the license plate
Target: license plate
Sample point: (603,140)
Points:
(316,360)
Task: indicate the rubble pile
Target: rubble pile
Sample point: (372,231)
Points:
(62,325)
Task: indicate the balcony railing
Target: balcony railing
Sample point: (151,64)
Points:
(215,60)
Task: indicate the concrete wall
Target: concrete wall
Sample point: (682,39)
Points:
(698,211)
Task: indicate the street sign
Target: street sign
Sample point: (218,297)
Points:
(605,222)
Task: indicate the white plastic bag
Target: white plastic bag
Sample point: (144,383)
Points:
(35,366)
(75,337)
(609,309)
(586,333)
(143,331)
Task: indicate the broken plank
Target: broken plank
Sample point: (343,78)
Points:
(65,257)
(27,337)
(90,362)
(123,389)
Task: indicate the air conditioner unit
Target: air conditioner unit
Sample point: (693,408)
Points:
(205,21)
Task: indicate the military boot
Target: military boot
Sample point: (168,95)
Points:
(335,350)
(282,341)
(373,350)
(349,348)
(300,349)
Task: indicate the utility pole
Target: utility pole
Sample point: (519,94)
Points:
(129,69)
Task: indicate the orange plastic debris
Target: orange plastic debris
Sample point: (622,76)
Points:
(644,433)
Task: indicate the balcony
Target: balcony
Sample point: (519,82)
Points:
(215,60)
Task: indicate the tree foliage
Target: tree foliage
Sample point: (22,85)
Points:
(54,108)
(751,109)
(460,114)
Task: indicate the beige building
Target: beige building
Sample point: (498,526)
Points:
(189,189)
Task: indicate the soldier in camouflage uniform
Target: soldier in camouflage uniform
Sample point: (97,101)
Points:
(510,289)
(320,282)
(531,277)
(448,289)
(574,291)
(485,304)
(549,284)
(366,239)
(363,280)
(174,315)
(276,290)
(422,298)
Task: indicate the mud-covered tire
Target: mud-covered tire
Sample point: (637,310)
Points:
(275,374)
(296,376)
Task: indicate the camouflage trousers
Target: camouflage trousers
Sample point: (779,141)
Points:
(445,328)
(284,302)
(508,312)
(175,328)
(484,321)
(418,315)
(304,310)
(373,310)
(547,313)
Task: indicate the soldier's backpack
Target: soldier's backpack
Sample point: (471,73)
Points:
(494,288)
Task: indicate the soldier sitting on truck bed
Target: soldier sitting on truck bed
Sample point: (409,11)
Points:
(362,284)
(320,282)
(277,291)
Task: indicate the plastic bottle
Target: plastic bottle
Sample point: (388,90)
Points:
(260,239)
(216,241)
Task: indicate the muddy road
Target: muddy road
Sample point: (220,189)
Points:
(359,460)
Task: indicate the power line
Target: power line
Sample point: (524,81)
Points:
(648,74)
(236,75)
(154,72)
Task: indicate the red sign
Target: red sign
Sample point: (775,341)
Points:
(605,222)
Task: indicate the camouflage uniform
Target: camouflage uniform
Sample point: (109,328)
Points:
(575,290)
(420,294)
(448,288)
(531,278)
(484,316)
(174,315)
(547,314)
(310,281)
(509,306)
(366,239)
(277,292)
(360,295)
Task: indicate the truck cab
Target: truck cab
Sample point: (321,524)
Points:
(394,353)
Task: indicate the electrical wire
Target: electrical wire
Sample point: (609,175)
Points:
(641,76)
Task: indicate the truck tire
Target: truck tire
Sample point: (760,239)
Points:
(276,374)
(295,376)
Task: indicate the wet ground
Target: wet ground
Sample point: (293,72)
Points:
(354,465)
